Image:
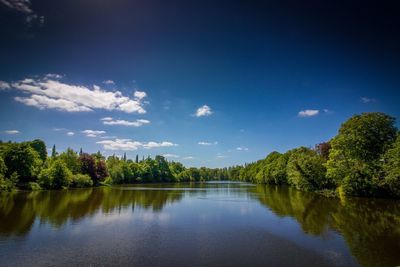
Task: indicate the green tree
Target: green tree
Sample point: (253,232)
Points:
(355,160)
(70,158)
(391,169)
(23,160)
(53,152)
(306,170)
(40,147)
(57,176)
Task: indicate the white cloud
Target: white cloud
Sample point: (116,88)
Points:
(242,148)
(53,94)
(4,85)
(53,76)
(202,143)
(109,82)
(139,95)
(367,100)
(203,111)
(106,119)
(221,156)
(70,133)
(93,133)
(188,158)
(136,123)
(11,132)
(170,156)
(128,144)
(308,113)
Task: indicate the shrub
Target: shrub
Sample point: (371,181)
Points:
(57,176)
(81,180)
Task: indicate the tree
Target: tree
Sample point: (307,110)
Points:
(70,158)
(137,159)
(23,160)
(101,170)
(306,170)
(53,152)
(88,166)
(57,176)
(323,149)
(355,160)
(391,168)
(40,147)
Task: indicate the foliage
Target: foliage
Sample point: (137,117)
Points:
(23,160)
(306,170)
(391,168)
(40,147)
(355,160)
(57,176)
(81,181)
(88,166)
(70,158)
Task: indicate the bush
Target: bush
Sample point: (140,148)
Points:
(57,176)
(81,180)
(8,184)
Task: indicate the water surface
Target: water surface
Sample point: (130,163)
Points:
(199,224)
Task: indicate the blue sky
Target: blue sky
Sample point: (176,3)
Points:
(261,77)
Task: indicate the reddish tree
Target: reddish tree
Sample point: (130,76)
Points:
(88,166)
(101,170)
(323,149)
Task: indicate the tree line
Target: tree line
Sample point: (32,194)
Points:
(363,159)
(26,165)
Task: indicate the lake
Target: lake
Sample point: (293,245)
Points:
(196,224)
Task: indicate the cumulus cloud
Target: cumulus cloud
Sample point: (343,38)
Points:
(203,111)
(70,133)
(202,143)
(4,85)
(109,82)
(128,144)
(367,100)
(136,123)
(170,156)
(50,93)
(93,133)
(240,148)
(11,132)
(308,113)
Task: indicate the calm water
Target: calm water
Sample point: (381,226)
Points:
(209,224)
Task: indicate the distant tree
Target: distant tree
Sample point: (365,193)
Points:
(323,149)
(88,166)
(80,152)
(23,160)
(124,156)
(53,152)
(40,147)
(101,171)
(137,159)
(70,158)
(57,176)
